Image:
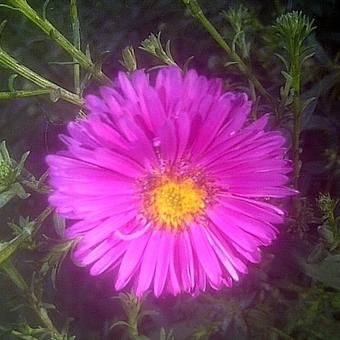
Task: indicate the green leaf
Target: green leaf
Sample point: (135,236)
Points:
(230,63)
(15,276)
(153,45)
(19,190)
(2,26)
(22,161)
(307,102)
(47,305)
(327,272)
(7,249)
(326,233)
(237,329)
(11,81)
(119,323)
(5,197)
(317,254)
(306,57)
(55,95)
(335,301)
(44,9)
(129,59)
(164,336)
(59,224)
(4,154)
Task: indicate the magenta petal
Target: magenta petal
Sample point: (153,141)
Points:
(205,254)
(232,231)
(261,229)
(173,267)
(201,279)
(254,208)
(253,256)
(148,265)
(183,133)
(187,266)
(106,229)
(169,86)
(86,256)
(109,259)
(131,260)
(118,163)
(224,254)
(95,104)
(126,87)
(168,141)
(240,107)
(162,265)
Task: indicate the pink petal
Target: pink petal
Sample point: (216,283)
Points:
(205,254)
(173,267)
(131,260)
(186,259)
(109,259)
(219,218)
(148,265)
(162,265)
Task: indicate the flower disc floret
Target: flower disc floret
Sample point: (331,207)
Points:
(174,202)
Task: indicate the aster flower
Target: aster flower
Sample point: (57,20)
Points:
(167,186)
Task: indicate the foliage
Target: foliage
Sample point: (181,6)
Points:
(276,54)
(9,173)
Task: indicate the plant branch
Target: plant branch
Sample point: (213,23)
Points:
(34,186)
(9,62)
(23,93)
(55,35)
(76,42)
(9,248)
(14,275)
(296,134)
(197,13)
(20,282)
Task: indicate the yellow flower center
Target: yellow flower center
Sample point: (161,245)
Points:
(172,202)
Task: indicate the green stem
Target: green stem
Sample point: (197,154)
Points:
(23,93)
(42,217)
(296,139)
(20,282)
(34,186)
(14,275)
(197,13)
(55,35)
(133,329)
(12,246)
(9,62)
(76,42)
(254,100)
(296,106)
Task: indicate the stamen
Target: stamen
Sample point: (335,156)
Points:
(173,201)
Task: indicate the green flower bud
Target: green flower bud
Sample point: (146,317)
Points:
(7,175)
(129,59)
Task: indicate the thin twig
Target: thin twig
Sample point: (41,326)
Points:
(197,13)
(76,43)
(8,61)
(55,35)
(23,93)
(20,282)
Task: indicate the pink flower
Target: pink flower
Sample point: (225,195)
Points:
(167,186)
